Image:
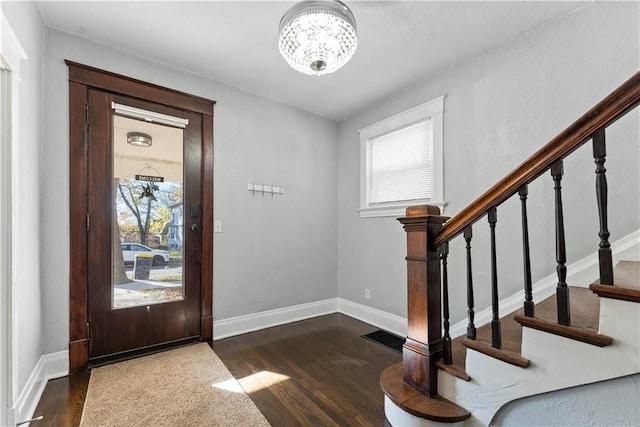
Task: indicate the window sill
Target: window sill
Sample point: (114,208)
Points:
(396,211)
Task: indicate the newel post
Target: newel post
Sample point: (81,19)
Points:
(423,347)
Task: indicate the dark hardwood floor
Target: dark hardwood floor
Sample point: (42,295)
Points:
(333,375)
(62,401)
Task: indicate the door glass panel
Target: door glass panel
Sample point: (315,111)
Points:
(148,235)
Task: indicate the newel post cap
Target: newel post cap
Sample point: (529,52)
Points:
(423,210)
(423,217)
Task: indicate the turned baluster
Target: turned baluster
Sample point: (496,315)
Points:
(604,252)
(562,291)
(496,340)
(471,328)
(446,339)
(529,309)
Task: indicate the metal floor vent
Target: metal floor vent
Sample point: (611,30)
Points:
(387,339)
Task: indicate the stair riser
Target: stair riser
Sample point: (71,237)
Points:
(620,319)
(399,418)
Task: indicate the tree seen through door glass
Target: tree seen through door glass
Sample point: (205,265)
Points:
(148,191)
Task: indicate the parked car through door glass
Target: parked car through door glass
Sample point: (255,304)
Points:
(130,250)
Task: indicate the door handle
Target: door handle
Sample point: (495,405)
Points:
(194,227)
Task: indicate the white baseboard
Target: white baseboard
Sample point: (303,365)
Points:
(266,319)
(50,366)
(373,316)
(254,322)
(580,273)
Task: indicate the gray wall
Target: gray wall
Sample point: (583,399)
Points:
(273,252)
(24,18)
(500,107)
(607,403)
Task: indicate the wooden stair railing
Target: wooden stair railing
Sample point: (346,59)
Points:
(428,236)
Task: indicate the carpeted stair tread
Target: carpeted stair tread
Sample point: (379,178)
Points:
(626,283)
(585,317)
(585,308)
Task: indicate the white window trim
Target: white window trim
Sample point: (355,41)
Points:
(433,110)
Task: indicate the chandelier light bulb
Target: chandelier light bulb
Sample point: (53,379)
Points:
(318,37)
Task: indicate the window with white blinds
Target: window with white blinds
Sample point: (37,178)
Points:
(402,162)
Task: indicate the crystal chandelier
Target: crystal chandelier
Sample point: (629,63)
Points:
(318,37)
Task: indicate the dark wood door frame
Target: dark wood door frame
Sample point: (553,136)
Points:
(81,79)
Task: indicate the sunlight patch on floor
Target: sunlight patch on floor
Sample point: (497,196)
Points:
(251,383)
(229,385)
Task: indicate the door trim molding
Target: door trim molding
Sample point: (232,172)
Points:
(81,79)
(206,298)
(116,83)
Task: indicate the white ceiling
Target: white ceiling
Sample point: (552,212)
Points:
(235,42)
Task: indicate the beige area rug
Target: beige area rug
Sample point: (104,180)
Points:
(188,386)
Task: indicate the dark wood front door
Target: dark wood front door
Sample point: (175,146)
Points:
(141,216)
(145,224)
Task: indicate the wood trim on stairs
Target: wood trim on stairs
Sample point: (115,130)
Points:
(413,401)
(452,370)
(616,292)
(504,355)
(579,334)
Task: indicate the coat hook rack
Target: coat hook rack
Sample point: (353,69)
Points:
(265,189)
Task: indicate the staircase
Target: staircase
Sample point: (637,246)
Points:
(578,336)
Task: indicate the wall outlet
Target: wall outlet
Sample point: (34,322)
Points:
(367,293)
